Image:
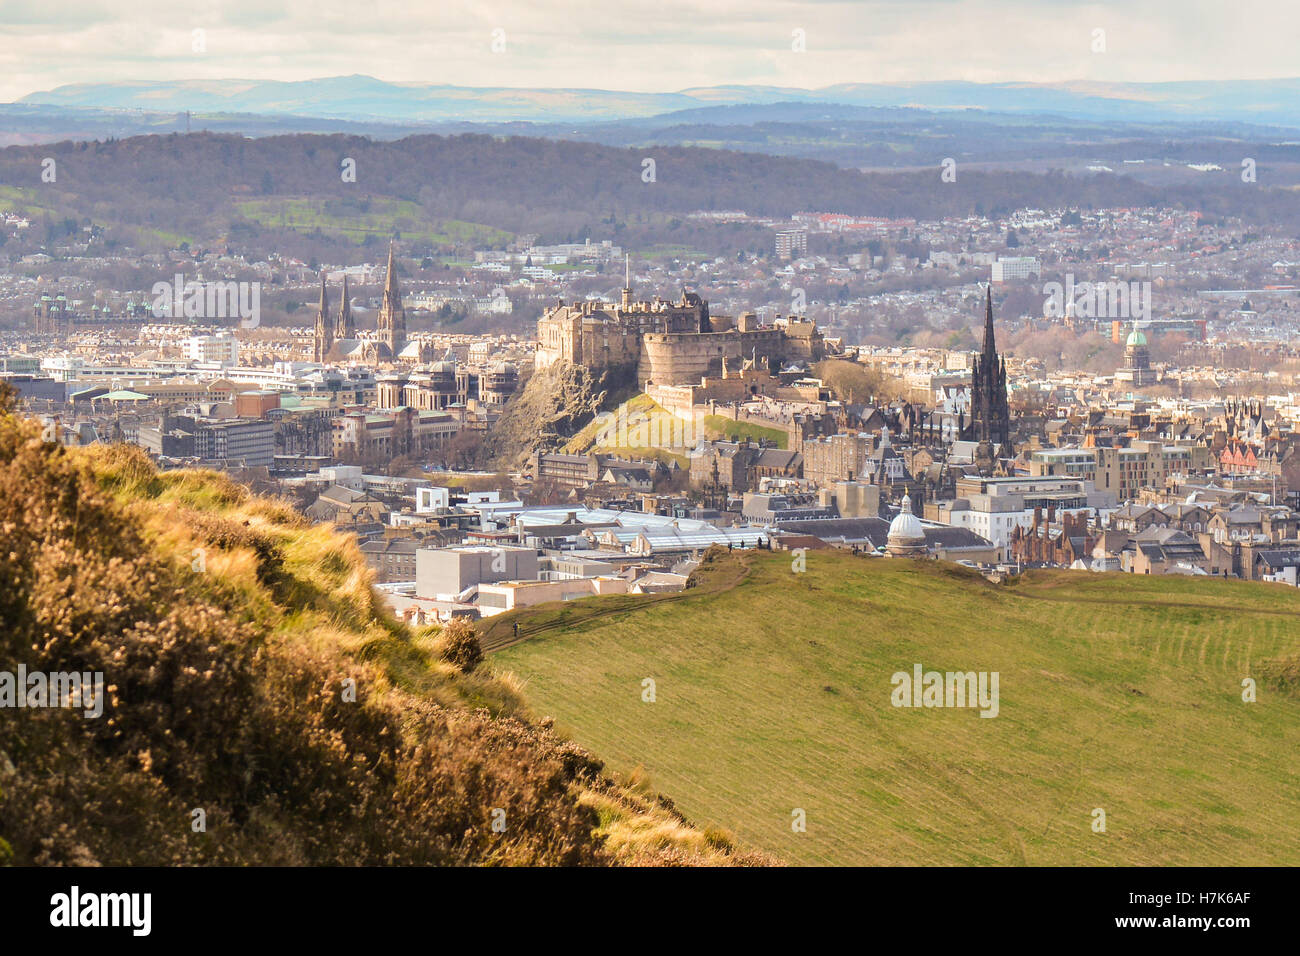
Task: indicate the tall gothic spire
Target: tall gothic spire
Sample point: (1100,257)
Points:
(990,419)
(323,341)
(345,327)
(990,348)
(392,317)
(390,284)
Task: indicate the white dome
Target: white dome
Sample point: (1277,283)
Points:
(906,526)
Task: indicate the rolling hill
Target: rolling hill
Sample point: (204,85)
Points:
(365,97)
(256,704)
(446,195)
(773,694)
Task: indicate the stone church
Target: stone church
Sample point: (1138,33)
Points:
(336,339)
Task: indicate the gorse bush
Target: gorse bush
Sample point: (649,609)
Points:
(460,646)
(225,692)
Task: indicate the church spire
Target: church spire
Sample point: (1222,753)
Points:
(392,317)
(990,419)
(323,341)
(990,348)
(345,327)
(390,284)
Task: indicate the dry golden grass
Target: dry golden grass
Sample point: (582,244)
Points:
(228,627)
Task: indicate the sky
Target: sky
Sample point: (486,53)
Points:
(651,46)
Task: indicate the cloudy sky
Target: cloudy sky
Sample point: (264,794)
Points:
(657,45)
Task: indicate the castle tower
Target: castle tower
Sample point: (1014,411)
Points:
(392,317)
(323,341)
(345,327)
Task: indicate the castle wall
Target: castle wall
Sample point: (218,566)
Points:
(766,346)
(606,345)
(665,343)
(686,358)
(678,400)
(557,340)
(803,341)
(681,358)
(585,341)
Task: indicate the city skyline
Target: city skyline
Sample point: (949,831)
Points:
(558,435)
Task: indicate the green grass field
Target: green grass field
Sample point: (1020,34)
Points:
(635,439)
(25,200)
(719,426)
(634,436)
(1116,692)
(379,217)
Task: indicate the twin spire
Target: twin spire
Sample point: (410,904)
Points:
(391,321)
(343,326)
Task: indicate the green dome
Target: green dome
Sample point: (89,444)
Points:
(1136,338)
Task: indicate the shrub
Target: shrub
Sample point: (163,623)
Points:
(460,646)
(236,715)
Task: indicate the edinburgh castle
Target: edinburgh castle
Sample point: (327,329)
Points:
(671,343)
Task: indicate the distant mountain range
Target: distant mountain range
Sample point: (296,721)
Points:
(366,99)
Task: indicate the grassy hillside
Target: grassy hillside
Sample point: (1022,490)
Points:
(357,220)
(772,694)
(227,629)
(720,426)
(642,428)
(638,429)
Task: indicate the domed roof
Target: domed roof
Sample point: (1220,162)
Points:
(1136,337)
(906,526)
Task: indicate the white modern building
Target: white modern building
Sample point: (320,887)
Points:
(997,506)
(1016,267)
(221,350)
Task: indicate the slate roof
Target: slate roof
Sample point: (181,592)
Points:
(1277,558)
